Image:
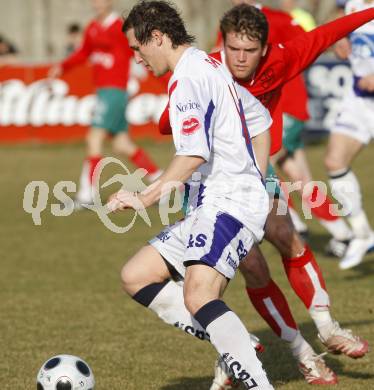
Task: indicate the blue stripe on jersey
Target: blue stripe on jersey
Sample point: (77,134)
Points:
(226,228)
(247,138)
(201,195)
(207,121)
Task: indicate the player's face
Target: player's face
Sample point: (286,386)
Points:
(242,55)
(101,7)
(150,54)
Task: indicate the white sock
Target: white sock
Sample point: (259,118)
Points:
(323,321)
(360,225)
(300,347)
(169,306)
(346,189)
(299,225)
(338,229)
(231,339)
(84,194)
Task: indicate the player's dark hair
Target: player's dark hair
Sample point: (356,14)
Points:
(245,19)
(74,28)
(147,16)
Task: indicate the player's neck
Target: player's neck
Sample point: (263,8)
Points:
(175,55)
(102,16)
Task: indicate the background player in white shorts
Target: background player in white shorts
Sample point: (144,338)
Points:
(212,141)
(354,128)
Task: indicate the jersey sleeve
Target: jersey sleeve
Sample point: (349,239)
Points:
(303,50)
(191,116)
(257,117)
(80,55)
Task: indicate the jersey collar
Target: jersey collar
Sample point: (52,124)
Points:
(109,20)
(185,54)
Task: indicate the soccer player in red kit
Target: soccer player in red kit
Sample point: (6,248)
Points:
(108,51)
(291,160)
(264,69)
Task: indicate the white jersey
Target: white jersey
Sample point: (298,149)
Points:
(362,41)
(208,119)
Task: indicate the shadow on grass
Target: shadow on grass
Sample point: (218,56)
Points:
(363,270)
(279,363)
(185,383)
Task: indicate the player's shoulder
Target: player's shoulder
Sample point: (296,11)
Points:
(217,56)
(196,64)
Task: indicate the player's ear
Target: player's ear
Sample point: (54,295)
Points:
(157,35)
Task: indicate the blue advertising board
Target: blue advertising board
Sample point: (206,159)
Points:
(327,81)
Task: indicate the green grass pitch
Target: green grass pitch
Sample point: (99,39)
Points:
(60,291)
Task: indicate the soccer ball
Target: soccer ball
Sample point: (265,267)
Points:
(65,372)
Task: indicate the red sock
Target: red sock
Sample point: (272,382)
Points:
(93,161)
(142,160)
(322,211)
(306,279)
(272,306)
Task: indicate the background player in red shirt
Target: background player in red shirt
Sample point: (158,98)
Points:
(108,51)
(263,69)
(291,160)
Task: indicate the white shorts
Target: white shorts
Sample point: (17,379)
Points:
(356,118)
(207,236)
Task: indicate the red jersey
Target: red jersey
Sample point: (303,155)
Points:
(286,60)
(105,45)
(282,28)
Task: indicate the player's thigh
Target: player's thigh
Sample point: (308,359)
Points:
(146,267)
(202,285)
(254,269)
(297,168)
(341,151)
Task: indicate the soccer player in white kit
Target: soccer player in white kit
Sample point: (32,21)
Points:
(353,129)
(214,147)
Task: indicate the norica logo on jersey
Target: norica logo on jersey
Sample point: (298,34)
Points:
(188,106)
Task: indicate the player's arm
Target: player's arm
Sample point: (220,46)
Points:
(342,48)
(258,121)
(261,146)
(302,51)
(366,83)
(78,57)
(192,141)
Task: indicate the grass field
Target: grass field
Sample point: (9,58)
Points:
(60,292)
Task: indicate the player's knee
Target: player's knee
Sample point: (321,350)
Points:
(128,279)
(281,234)
(194,297)
(333,162)
(133,279)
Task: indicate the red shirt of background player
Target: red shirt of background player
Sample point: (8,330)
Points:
(108,50)
(284,61)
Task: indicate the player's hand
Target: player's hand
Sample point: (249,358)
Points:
(123,200)
(55,71)
(343,49)
(367,83)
